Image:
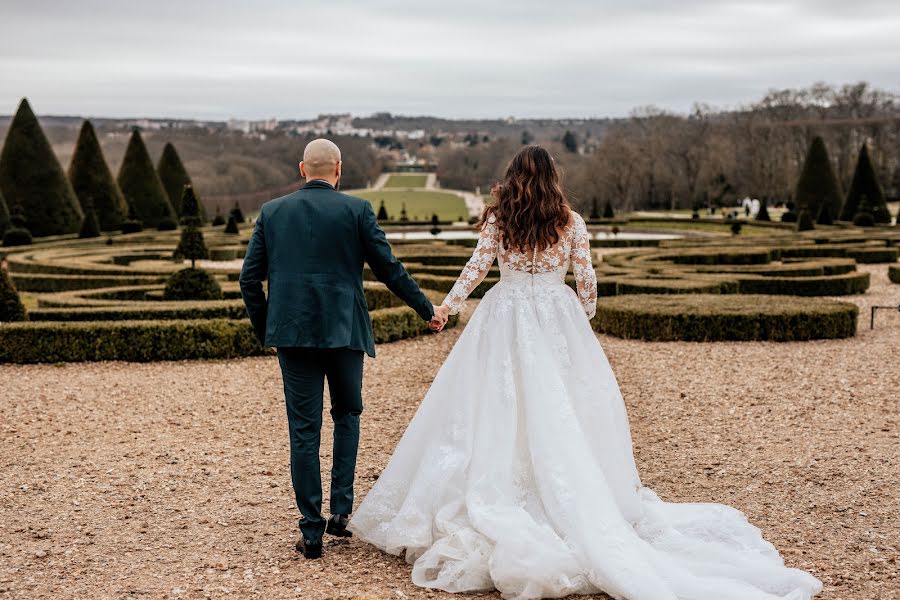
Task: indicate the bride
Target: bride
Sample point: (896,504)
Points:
(517,471)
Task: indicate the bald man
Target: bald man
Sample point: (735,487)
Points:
(311,246)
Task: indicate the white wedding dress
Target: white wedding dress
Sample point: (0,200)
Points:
(517,471)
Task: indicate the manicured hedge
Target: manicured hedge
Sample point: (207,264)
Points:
(894,273)
(136,341)
(828,285)
(226,309)
(35,282)
(437,258)
(445,284)
(144,341)
(873,255)
(735,256)
(707,318)
(675,286)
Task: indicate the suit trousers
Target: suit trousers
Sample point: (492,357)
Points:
(304,371)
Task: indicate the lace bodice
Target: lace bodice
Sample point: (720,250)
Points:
(572,249)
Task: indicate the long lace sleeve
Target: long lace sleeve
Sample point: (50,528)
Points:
(477,268)
(585,277)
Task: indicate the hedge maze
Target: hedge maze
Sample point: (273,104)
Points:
(709,289)
(103,299)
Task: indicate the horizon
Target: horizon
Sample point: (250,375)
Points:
(744,105)
(578,60)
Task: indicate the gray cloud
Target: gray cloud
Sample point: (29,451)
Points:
(463,59)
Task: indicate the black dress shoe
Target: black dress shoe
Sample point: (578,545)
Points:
(309,549)
(337,525)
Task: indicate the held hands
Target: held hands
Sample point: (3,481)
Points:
(441,315)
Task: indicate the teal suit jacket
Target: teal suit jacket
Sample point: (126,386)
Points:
(311,246)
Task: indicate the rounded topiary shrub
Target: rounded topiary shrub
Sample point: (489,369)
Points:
(805,221)
(192,284)
(11,307)
(167,224)
(17,236)
(864,219)
(789,217)
(894,273)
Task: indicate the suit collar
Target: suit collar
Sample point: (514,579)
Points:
(318,183)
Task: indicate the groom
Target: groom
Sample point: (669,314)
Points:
(311,246)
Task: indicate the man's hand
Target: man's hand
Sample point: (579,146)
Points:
(441,316)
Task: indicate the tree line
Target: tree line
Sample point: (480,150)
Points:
(660,160)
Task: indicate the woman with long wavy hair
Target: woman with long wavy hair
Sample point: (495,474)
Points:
(517,471)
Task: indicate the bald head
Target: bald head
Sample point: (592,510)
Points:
(321,160)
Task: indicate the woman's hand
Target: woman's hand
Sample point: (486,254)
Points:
(440,318)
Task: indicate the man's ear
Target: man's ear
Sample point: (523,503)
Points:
(338,169)
(302,170)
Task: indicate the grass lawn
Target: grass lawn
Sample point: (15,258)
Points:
(696,226)
(420,205)
(406,180)
(29,300)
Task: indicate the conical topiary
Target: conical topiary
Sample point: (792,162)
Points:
(805,221)
(825,216)
(11,307)
(4,215)
(191,246)
(132,224)
(382,212)
(18,233)
(218,220)
(865,183)
(141,185)
(174,177)
(237,213)
(232,226)
(435,225)
(864,216)
(90,226)
(608,212)
(818,184)
(403,215)
(763,213)
(595,208)
(31,177)
(93,182)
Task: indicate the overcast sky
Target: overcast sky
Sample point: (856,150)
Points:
(483,58)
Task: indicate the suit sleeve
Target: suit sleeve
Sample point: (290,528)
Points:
(388,269)
(253,273)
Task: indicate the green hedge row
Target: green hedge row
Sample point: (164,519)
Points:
(144,341)
(846,284)
(894,273)
(219,309)
(873,255)
(674,286)
(44,283)
(708,318)
(717,257)
(438,258)
(445,284)
(136,341)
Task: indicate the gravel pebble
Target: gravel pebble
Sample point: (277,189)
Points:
(121,480)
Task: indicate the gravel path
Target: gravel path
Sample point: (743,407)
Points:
(171,479)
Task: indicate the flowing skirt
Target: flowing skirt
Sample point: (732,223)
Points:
(517,474)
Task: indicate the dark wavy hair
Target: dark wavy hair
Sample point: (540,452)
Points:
(529,204)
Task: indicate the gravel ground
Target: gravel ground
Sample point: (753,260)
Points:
(171,479)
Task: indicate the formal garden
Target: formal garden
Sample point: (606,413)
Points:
(149,456)
(130,268)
